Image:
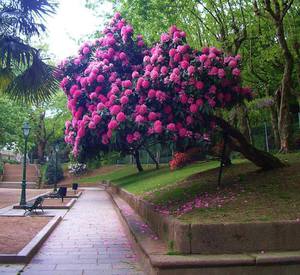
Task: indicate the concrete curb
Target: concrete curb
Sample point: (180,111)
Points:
(157,261)
(67,206)
(32,247)
(223,238)
(142,254)
(75,196)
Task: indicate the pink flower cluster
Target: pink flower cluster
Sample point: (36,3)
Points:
(116,87)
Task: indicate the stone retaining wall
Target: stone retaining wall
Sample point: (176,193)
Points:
(216,238)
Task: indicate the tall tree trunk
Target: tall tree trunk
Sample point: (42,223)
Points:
(152,157)
(277,10)
(274,123)
(274,108)
(41,146)
(40,136)
(284,117)
(244,125)
(136,156)
(239,143)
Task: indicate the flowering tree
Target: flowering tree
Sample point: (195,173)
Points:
(125,96)
(99,83)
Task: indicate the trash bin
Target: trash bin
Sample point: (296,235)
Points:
(75,187)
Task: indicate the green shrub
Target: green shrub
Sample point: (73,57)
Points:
(110,158)
(1,167)
(50,177)
(94,163)
(11,161)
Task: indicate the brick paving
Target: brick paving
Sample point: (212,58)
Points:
(89,240)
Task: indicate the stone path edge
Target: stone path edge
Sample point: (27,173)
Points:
(197,238)
(25,255)
(75,196)
(145,260)
(164,261)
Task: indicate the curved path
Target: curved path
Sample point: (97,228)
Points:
(89,240)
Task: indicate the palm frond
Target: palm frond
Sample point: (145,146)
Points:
(13,50)
(6,77)
(25,17)
(34,85)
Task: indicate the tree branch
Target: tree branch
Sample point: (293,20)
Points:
(286,6)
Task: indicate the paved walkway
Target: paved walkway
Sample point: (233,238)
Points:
(89,240)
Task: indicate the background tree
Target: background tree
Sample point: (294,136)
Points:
(12,118)
(277,11)
(48,124)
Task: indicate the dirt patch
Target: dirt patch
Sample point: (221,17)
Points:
(56,202)
(16,232)
(12,196)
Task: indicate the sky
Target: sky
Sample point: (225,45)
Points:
(71,22)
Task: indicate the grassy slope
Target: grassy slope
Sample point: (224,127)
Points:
(261,196)
(258,196)
(150,179)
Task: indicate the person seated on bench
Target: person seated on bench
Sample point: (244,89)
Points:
(34,205)
(61,193)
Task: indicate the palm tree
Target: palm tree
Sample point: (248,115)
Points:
(23,73)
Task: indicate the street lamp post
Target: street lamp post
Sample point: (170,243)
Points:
(26,131)
(56,147)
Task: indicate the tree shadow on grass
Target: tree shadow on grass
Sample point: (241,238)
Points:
(125,181)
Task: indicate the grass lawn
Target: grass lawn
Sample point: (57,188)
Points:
(191,194)
(151,179)
(247,194)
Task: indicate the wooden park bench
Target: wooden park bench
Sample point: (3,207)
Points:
(34,205)
(61,193)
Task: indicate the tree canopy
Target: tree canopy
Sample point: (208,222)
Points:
(120,92)
(245,27)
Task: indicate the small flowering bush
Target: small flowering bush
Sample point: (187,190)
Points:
(179,160)
(123,95)
(77,169)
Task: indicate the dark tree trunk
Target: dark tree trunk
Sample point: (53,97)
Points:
(152,157)
(274,122)
(274,108)
(244,125)
(284,118)
(226,158)
(239,143)
(41,151)
(277,12)
(136,156)
(40,135)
